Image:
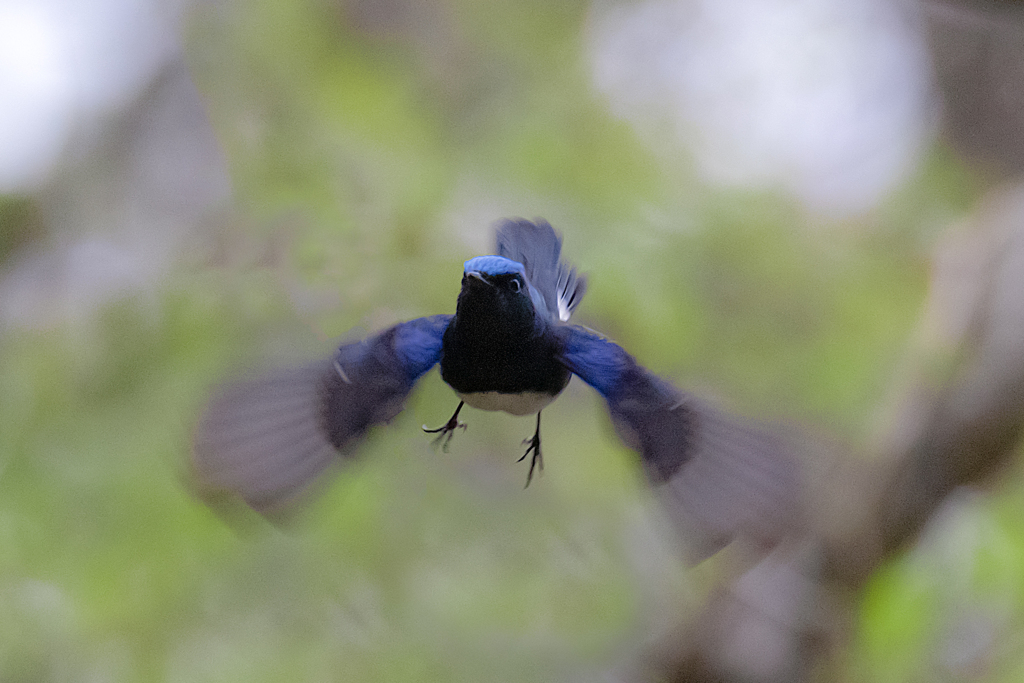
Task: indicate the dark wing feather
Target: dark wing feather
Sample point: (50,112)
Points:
(719,477)
(538,247)
(268,439)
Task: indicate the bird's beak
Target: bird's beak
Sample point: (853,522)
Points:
(478,275)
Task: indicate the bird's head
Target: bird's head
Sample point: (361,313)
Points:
(497,286)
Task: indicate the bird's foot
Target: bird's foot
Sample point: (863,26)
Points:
(446,431)
(537,460)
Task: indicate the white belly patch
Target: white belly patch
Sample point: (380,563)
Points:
(526,403)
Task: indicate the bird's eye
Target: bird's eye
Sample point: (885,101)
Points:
(514,284)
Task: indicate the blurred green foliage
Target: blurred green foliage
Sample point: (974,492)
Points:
(369,146)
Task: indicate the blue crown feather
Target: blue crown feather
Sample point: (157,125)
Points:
(494,265)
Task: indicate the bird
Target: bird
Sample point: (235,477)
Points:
(508,347)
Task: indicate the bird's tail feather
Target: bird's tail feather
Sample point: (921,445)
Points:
(538,247)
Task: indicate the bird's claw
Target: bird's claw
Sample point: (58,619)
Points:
(537,461)
(445,432)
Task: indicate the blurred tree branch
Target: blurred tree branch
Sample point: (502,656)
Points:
(960,413)
(977,49)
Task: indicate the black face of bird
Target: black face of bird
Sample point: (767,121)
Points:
(502,300)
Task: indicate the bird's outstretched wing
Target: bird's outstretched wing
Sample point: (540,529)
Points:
(719,477)
(538,247)
(267,439)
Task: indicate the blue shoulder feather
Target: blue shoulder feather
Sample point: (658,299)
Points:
(418,343)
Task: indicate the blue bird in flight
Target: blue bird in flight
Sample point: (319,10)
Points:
(508,347)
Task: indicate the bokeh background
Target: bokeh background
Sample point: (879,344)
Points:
(192,188)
